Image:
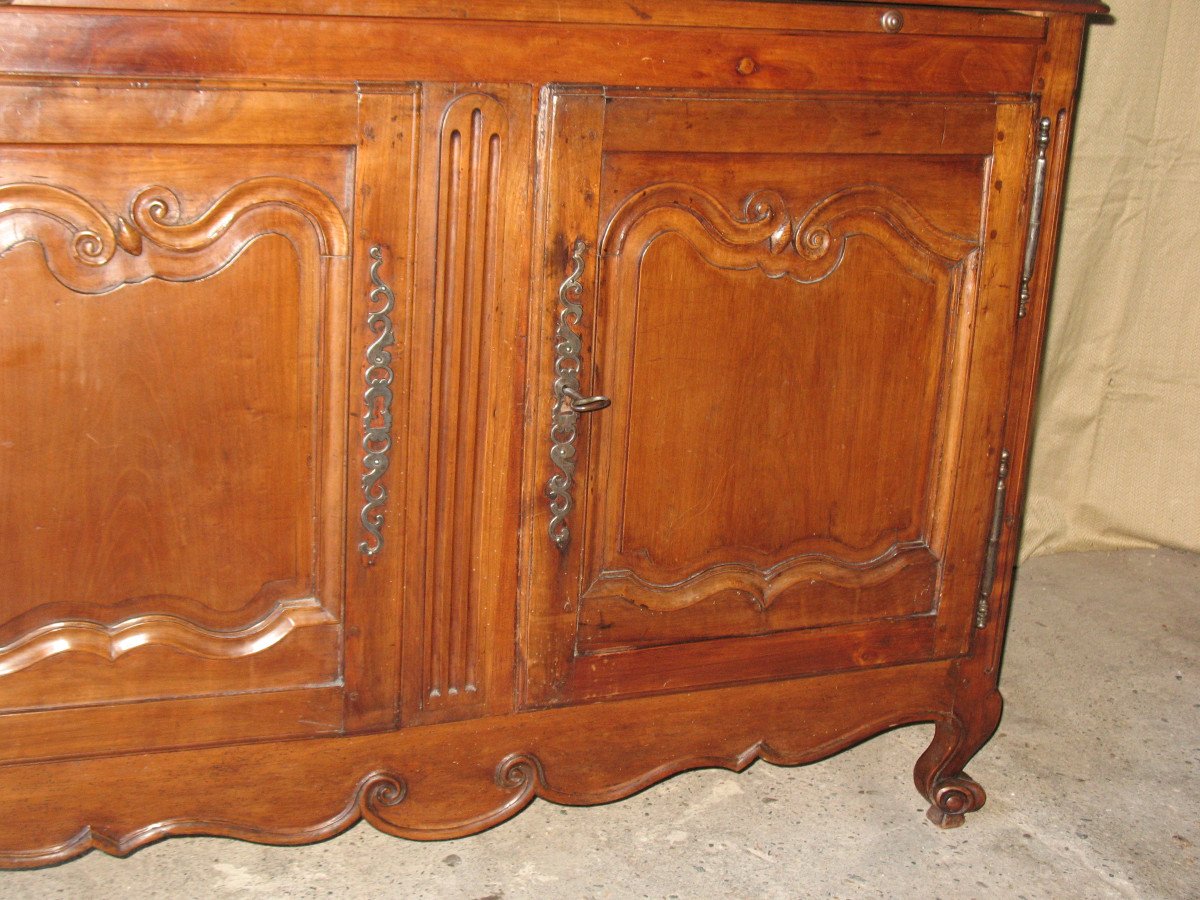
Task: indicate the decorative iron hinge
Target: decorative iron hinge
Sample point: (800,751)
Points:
(1036,205)
(993,545)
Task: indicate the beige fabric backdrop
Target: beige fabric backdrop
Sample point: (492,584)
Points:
(1116,461)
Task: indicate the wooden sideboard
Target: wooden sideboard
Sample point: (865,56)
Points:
(406,412)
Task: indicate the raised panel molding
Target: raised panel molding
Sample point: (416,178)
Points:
(113,641)
(92,253)
(472,155)
(619,612)
(759,586)
(807,248)
(810,582)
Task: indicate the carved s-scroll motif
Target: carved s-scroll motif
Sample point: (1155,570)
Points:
(91,253)
(90,238)
(521,771)
(156,213)
(380,791)
(471,175)
(377,416)
(453,783)
(807,248)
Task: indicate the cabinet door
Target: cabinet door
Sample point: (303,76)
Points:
(185,283)
(802,311)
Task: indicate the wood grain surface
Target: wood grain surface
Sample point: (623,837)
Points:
(407,411)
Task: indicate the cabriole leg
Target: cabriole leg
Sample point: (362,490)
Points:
(939,772)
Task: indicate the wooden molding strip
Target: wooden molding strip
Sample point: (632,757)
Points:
(114,641)
(761,586)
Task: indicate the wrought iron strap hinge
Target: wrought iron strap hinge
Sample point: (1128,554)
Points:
(377,413)
(1037,204)
(993,546)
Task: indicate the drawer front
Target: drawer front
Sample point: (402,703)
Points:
(802,312)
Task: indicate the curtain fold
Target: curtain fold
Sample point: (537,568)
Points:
(1116,457)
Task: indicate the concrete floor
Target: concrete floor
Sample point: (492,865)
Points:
(1094,782)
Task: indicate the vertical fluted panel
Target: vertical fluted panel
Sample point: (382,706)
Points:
(473,133)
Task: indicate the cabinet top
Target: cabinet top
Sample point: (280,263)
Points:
(647,11)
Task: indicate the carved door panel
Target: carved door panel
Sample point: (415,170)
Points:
(802,312)
(186,283)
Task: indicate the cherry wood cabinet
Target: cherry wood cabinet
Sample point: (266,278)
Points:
(404,417)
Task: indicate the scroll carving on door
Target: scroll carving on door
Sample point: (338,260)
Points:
(127,532)
(722,501)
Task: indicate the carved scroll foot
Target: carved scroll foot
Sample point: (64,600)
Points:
(939,772)
(953,798)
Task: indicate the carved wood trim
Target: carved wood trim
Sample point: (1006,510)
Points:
(156,212)
(114,641)
(807,248)
(91,253)
(94,239)
(380,795)
(469,225)
(760,585)
(374,794)
(476,775)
